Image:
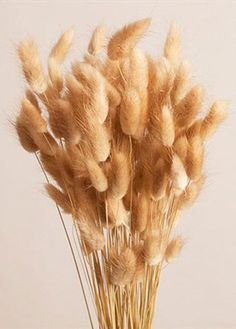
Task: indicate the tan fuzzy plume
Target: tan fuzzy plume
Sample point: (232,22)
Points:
(160,180)
(98,179)
(32,98)
(122,267)
(167,128)
(32,118)
(62,123)
(187,109)
(32,67)
(50,165)
(213,119)
(61,48)
(181,147)
(120,175)
(97,40)
(113,95)
(25,137)
(100,143)
(172,45)
(95,84)
(117,212)
(60,198)
(194,158)
(91,235)
(46,143)
(140,213)
(178,174)
(181,83)
(57,57)
(191,193)
(173,249)
(152,250)
(123,41)
(130,111)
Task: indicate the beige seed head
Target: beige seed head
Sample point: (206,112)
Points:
(61,48)
(120,175)
(25,137)
(167,128)
(32,67)
(91,235)
(60,198)
(122,267)
(57,57)
(45,142)
(152,250)
(213,119)
(137,75)
(123,41)
(160,180)
(130,111)
(181,83)
(97,40)
(117,212)
(191,193)
(194,158)
(140,213)
(32,118)
(178,174)
(173,45)
(187,109)
(181,147)
(98,179)
(173,249)
(99,139)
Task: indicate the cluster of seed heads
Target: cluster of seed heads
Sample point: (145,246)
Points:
(122,138)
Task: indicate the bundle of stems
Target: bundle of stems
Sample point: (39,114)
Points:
(122,139)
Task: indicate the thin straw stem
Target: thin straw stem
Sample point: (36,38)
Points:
(70,246)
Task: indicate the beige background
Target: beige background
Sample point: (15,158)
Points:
(38,286)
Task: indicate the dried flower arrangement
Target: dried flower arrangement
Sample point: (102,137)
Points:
(123,141)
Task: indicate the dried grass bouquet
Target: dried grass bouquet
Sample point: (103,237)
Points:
(122,139)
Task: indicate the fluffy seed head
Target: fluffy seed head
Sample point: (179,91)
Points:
(152,250)
(194,158)
(173,249)
(140,213)
(191,193)
(45,142)
(172,45)
(122,267)
(181,147)
(120,175)
(25,137)
(31,65)
(130,111)
(117,212)
(32,118)
(178,174)
(97,40)
(60,198)
(98,179)
(61,48)
(213,119)
(123,41)
(167,127)
(91,235)
(187,109)
(180,84)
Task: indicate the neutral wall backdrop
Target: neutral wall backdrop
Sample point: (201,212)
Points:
(38,284)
